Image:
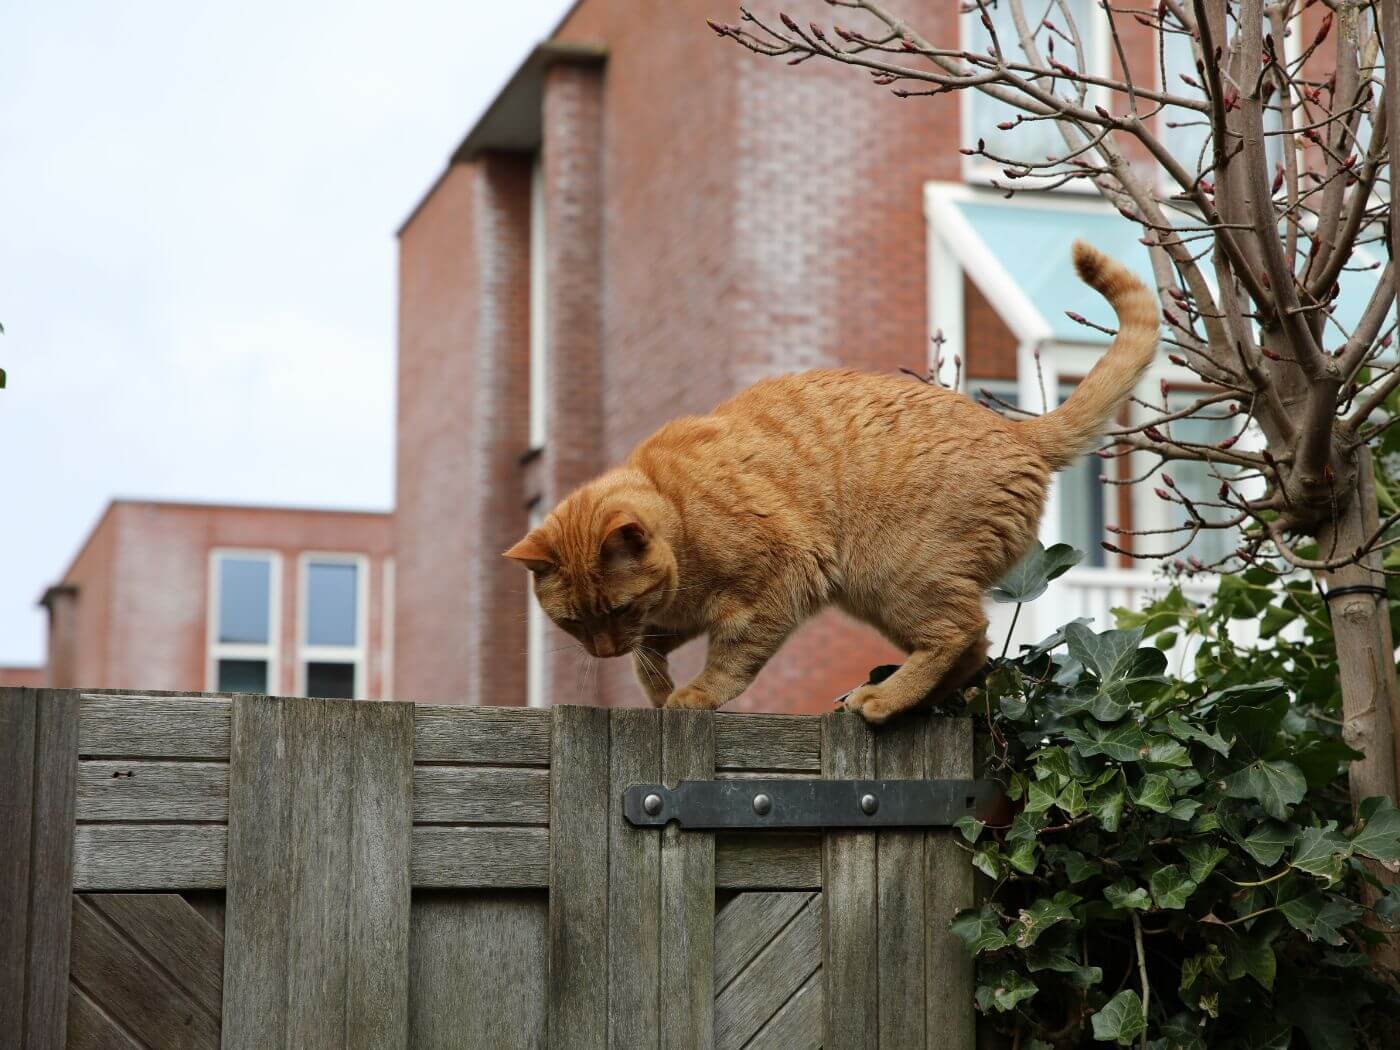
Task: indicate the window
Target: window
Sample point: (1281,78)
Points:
(539,390)
(243,592)
(1197,481)
(331,650)
(1189,140)
(535,633)
(1030,140)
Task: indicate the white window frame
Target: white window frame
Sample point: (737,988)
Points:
(536,632)
(386,626)
(539,346)
(216,650)
(334,654)
(980,171)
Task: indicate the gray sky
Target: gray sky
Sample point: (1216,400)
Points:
(197,263)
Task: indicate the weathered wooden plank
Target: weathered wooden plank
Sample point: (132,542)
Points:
(948,968)
(798,1023)
(773,742)
(17,718)
(480,795)
(317,919)
(849,960)
(90,1028)
(477,971)
(209,904)
(634,880)
(136,993)
(149,856)
(772,978)
(380,892)
(161,727)
(747,861)
(899,755)
(578,872)
(172,933)
(51,869)
(154,790)
(258,901)
(484,735)
(746,925)
(515,858)
(687,891)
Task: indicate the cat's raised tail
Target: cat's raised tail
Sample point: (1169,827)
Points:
(1076,426)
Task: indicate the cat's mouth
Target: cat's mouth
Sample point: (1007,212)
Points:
(604,647)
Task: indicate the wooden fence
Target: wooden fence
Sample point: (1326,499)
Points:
(193,871)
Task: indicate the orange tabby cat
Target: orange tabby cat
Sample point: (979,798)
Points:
(897,501)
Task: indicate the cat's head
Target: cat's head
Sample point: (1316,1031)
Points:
(600,570)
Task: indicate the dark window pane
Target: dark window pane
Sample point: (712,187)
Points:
(330,680)
(330,603)
(242,676)
(245,589)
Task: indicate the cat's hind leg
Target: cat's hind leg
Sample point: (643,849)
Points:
(947,648)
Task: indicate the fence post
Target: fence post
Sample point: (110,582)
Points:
(947,890)
(38,777)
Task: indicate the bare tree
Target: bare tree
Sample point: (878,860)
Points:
(1248,235)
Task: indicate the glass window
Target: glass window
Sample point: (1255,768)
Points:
(1030,140)
(245,600)
(242,676)
(1189,140)
(332,594)
(1199,484)
(330,680)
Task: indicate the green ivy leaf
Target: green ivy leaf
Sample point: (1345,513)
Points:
(1125,743)
(1071,799)
(1377,834)
(1121,1020)
(1043,914)
(1029,577)
(1172,887)
(1163,751)
(1321,851)
(1184,809)
(1201,858)
(979,929)
(1106,804)
(1004,990)
(1022,858)
(1077,866)
(1184,730)
(970,827)
(1388,908)
(1257,954)
(1274,785)
(1040,796)
(987,859)
(1124,895)
(1154,793)
(1267,842)
(1026,825)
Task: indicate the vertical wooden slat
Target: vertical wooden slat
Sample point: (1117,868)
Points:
(17,710)
(634,887)
(849,897)
(258,896)
(578,874)
(317,918)
(899,755)
(947,889)
(380,838)
(51,869)
(687,891)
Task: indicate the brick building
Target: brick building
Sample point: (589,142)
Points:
(645,221)
(189,596)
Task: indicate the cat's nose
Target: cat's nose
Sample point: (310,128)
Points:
(603,645)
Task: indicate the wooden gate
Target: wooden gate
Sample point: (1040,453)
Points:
(192,871)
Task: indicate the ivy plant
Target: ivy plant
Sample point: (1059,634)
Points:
(1184,869)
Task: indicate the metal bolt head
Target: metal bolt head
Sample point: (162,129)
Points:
(869,804)
(652,805)
(762,805)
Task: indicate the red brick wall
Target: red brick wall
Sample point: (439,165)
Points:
(462,427)
(33,677)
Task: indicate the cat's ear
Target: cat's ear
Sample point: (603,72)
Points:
(623,534)
(533,554)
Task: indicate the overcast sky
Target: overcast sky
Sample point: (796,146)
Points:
(197,260)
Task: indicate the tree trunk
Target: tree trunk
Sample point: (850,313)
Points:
(1365,663)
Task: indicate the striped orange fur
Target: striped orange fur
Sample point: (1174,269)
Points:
(897,501)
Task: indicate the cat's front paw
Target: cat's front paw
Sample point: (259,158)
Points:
(690,698)
(870,703)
